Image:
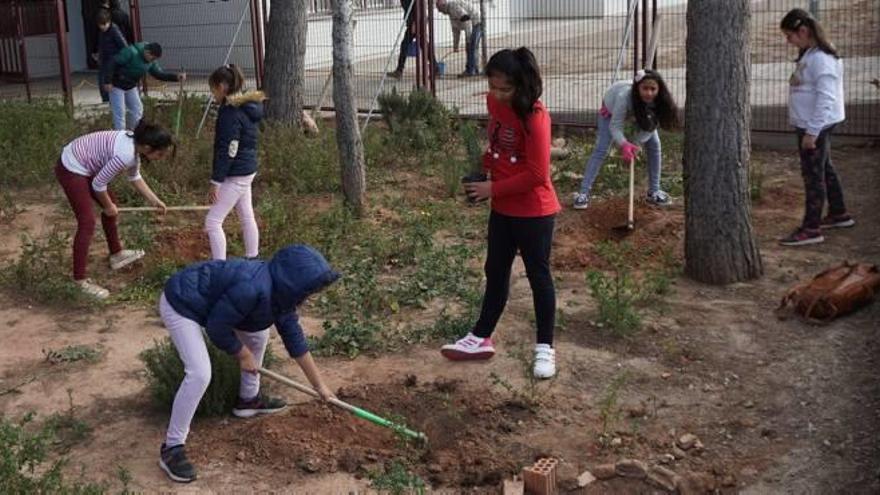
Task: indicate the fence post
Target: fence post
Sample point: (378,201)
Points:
(484,51)
(814,8)
(63,54)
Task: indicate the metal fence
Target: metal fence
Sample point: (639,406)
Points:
(576,43)
(577,46)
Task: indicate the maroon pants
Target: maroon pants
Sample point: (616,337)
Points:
(79,192)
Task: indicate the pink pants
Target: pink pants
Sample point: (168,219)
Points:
(235,192)
(190,343)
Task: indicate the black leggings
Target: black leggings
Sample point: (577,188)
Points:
(821,182)
(532,237)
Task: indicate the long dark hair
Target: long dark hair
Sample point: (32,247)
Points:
(521,70)
(153,135)
(230,75)
(795,18)
(663,112)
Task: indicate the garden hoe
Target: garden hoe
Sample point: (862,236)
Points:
(357,411)
(169,208)
(630,212)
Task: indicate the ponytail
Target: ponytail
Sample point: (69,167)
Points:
(796,18)
(521,69)
(230,75)
(153,135)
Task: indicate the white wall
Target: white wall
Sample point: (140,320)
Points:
(42,51)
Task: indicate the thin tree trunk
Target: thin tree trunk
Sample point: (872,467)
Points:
(720,245)
(285,61)
(348,139)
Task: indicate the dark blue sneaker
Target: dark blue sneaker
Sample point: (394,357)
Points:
(258,405)
(173,461)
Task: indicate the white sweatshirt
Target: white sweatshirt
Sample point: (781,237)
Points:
(815,99)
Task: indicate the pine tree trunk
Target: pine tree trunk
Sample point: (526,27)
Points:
(720,245)
(348,139)
(284,80)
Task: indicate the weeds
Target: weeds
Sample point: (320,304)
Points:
(397,480)
(66,428)
(9,208)
(72,354)
(531,394)
(619,294)
(24,466)
(40,273)
(609,410)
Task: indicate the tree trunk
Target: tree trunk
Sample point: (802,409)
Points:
(284,80)
(348,139)
(720,245)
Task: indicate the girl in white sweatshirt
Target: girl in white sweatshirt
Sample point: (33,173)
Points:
(815,107)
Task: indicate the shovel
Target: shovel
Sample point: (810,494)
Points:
(357,411)
(630,212)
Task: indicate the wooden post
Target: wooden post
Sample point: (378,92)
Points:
(63,54)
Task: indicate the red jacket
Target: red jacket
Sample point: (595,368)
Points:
(519,162)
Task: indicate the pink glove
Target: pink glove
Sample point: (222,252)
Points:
(604,112)
(628,151)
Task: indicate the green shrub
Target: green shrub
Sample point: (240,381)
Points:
(417,123)
(24,466)
(31,138)
(41,271)
(615,294)
(165,372)
(397,480)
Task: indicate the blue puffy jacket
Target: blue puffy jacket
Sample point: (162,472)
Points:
(236,134)
(250,295)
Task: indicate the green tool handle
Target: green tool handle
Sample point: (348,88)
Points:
(357,411)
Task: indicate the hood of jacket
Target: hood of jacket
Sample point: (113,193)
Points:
(298,271)
(251,103)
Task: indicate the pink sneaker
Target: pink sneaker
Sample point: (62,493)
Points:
(470,347)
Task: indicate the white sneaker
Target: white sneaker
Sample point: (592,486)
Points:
(469,347)
(93,289)
(545,361)
(581,201)
(125,257)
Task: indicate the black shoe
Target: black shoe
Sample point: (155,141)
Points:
(173,461)
(258,405)
(395,75)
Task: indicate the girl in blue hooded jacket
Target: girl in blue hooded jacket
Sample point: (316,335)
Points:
(235,160)
(236,302)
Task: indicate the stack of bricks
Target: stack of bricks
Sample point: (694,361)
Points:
(540,478)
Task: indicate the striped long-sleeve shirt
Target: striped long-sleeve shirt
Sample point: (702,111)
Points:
(102,155)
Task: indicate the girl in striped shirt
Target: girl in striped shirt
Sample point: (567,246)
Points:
(85,169)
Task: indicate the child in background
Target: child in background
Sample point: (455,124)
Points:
(815,107)
(110,42)
(85,169)
(235,160)
(647,100)
(524,206)
(236,302)
(126,70)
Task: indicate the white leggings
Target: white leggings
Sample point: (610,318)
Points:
(190,343)
(235,192)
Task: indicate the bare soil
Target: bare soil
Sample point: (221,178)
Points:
(780,406)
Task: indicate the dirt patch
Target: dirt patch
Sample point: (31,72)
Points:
(472,435)
(183,243)
(577,234)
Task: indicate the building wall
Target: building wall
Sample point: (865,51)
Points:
(42,51)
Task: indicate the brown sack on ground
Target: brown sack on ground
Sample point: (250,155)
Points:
(836,291)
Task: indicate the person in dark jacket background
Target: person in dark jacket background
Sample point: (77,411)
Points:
(235,160)
(126,69)
(408,9)
(236,302)
(110,42)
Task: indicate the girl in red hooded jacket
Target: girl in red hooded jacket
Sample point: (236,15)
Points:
(524,205)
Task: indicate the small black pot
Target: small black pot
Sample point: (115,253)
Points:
(473,177)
